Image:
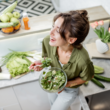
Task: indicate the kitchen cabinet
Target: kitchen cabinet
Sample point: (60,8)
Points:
(23,43)
(28,96)
(95,101)
(31,96)
(11,107)
(8,99)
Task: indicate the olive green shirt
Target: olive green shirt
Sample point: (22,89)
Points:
(79,64)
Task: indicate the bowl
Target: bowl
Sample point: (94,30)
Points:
(14,29)
(11,32)
(53,83)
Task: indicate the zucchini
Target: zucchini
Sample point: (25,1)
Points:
(10,8)
(97,83)
(102,78)
(5,25)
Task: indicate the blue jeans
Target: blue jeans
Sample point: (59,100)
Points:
(63,100)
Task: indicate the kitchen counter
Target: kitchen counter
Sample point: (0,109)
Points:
(31,76)
(37,24)
(34,76)
(90,89)
(44,22)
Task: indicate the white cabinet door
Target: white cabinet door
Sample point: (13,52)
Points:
(7,97)
(31,96)
(22,43)
(11,107)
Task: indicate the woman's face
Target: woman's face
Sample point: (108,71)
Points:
(55,37)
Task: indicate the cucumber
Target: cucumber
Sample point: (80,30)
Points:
(4,25)
(97,83)
(102,78)
(10,8)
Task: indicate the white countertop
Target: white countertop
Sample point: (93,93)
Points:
(37,24)
(31,76)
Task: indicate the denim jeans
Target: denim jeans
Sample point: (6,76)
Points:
(63,100)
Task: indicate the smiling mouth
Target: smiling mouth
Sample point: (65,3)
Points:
(51,39)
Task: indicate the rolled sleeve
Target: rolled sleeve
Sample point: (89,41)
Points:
(87,72)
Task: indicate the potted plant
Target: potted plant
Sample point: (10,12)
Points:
(104,36)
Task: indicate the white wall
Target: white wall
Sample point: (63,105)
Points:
(106,5)
(66,5)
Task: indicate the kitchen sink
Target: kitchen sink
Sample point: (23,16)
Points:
(99,101)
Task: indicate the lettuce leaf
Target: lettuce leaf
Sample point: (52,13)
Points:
(18,65)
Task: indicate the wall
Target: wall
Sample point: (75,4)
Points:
(66,5)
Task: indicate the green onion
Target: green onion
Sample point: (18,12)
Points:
(12,54)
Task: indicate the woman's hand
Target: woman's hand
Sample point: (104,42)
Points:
(70,84)
(67,85)
(75,82)
(36,66)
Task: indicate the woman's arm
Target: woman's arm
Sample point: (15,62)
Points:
(75,82)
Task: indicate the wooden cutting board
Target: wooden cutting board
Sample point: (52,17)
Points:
(92,50)
(19,76)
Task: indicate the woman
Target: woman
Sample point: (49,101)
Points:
(64,47)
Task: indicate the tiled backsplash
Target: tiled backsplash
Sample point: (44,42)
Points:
(32,7)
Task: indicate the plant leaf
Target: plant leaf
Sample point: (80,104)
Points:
(97,32)
(103,30)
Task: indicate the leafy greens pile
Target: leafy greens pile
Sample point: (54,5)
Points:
(16,62)
(18,65)
(53,80)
